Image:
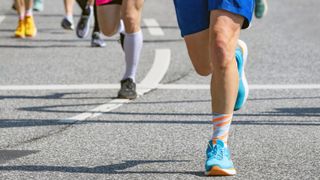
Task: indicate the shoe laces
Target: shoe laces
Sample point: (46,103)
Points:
(128,84)
(217,152)
(28,22)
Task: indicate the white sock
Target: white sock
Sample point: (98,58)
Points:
(69,18)
(132,48)
(21,16)
(29,12)
(91,8)
(121,27)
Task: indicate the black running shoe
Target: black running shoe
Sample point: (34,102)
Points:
(128,89)
(83,26)
(122,36)
(97,41)
(66,24)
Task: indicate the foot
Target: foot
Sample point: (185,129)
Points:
(218,161)
(261,8)
(13,7)
(83,26)
(243,91)
(38,5)
(121,40)
(31,30)
(128,89)
(66,24)
(97,41)
(20,30)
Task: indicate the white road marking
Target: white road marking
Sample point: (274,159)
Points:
(58,87)
(251,87)
(156,73)
(2,18)
(153,27)
(150,83)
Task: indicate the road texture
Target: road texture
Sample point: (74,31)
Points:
(60,120)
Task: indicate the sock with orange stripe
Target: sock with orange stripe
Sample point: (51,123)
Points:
(221,126)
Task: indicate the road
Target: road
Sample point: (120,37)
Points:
(60,120)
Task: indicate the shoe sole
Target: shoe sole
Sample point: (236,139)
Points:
(127,97)
(266,8)
(97,45)
(20,37)
(244,50)
(217,171)
(67,28)
(32,35)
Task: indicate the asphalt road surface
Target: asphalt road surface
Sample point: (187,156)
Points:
(60,120)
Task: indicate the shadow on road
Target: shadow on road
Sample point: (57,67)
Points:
(10,123)
(107,169)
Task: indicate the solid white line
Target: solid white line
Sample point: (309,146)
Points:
(58,87)
(251,87)
(157,72)
(149,83)
(2,18)
(153,27)
(285,86)
(152,79)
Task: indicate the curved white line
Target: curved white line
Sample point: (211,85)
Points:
(153,27)
(2,18)
(151,81)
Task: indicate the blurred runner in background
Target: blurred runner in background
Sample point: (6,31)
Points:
(67,21)
(83,28)
(26,25)
(261,8)
(124,17)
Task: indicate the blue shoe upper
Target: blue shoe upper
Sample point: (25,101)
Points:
(218,155)
(241,91)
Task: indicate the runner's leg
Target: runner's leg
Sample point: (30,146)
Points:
(96,40)
(131,13)
(67,21)
(20,31)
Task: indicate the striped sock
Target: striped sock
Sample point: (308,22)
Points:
(221,125)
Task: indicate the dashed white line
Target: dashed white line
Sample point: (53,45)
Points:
(153,27)
(2,18)
(152,79)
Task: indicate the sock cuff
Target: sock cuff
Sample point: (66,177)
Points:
(29,12)
(217,115)
(135,33)
(69,18)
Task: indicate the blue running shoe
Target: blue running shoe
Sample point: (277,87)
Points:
(218,160)
(38,5)
(243,91)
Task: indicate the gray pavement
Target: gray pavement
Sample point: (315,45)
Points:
(163,134)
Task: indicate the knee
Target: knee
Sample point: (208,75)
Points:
(223,53)
(108,31)
(203,71)
(132,22)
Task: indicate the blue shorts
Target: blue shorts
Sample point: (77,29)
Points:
(194,15)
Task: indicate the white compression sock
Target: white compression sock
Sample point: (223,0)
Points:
(121,27)
(132,48)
